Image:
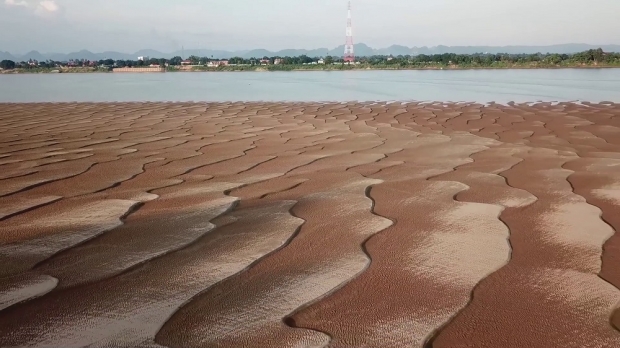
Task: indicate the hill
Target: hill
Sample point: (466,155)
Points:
(361,49)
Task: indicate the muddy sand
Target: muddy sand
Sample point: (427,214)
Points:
(309,225)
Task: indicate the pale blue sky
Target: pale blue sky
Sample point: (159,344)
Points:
(130,25)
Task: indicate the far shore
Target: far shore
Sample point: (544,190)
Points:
(271,68)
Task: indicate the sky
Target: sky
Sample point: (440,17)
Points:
(130,25)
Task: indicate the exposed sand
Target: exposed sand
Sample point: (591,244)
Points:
(310,225)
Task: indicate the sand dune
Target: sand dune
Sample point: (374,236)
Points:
(310,225)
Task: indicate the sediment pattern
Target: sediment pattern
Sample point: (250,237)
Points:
(310,225)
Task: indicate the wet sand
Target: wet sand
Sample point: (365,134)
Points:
(309,225)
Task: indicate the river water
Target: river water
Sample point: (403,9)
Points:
(483,86)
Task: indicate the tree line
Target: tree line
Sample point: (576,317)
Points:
(589,57)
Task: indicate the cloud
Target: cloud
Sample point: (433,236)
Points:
(48,5)
(16,3)
(44,7)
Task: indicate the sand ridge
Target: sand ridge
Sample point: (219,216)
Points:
(310,224)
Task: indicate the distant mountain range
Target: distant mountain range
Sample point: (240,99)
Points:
(360,50)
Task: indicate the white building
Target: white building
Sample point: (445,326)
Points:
(217,63)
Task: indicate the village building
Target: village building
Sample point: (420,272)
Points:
(217,63)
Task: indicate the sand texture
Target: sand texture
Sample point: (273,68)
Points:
(310,225)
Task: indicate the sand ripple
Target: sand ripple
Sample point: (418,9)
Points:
(310,225)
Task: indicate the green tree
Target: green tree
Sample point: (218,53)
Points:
(329,60)
(236,60)
(598,55)
(7,65)
(554,59)
(176,60)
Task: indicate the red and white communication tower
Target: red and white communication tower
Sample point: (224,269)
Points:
(349,55)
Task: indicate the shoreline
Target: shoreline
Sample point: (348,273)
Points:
(297,69)
(365,103)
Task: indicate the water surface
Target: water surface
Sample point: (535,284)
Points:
(501,86)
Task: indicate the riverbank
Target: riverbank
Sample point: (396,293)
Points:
(341,67)
(322,67)
(80,70)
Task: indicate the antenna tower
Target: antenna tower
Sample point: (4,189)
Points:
(349,55)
